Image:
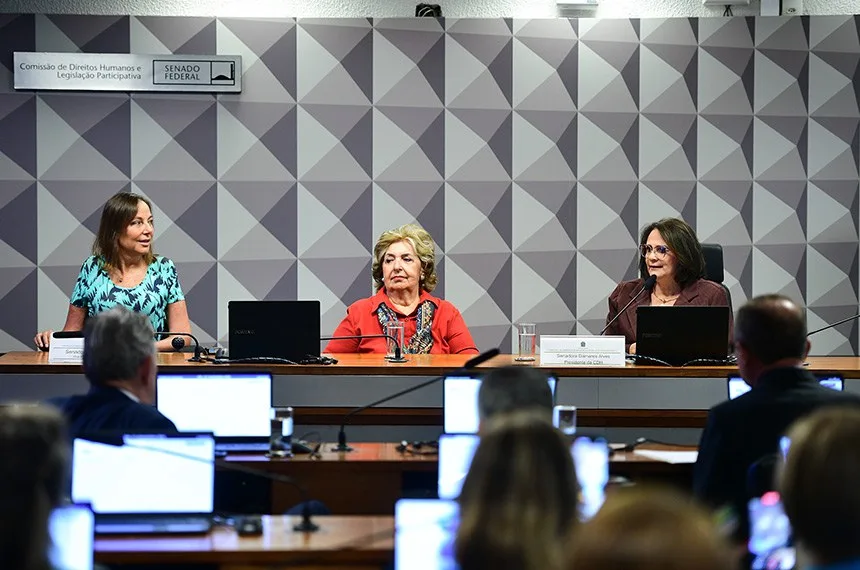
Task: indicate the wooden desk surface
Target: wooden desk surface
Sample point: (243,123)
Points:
(36,362)
(369,479)
(366,541)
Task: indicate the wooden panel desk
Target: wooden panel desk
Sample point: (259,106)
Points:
(630,396)
(369,480)
(341,542)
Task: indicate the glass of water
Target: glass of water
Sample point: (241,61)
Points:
(527,342)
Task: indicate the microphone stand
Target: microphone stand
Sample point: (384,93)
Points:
(472,363)
(179,343)
(837,323)
(397,354)
(649,283)
(306,524)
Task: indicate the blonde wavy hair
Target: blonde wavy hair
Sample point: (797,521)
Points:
(422,243)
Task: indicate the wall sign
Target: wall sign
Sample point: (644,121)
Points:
(128,72)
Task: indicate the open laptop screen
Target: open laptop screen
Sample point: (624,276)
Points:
(737,386)
(228,404)
(424,534)
(72,528)
(460,403)
(148,474)
(455,457)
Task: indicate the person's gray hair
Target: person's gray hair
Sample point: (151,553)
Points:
(512,389)
(116,342)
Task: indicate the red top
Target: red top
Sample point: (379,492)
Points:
(450,334)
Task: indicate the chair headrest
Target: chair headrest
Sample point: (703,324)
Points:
(713,253)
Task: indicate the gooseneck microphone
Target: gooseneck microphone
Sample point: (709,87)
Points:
(836,324)
(179,343)
(647,286)
(470,364)
(398,357)
(306,525)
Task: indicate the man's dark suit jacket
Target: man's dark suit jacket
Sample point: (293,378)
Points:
(741,431)
(108,409)
(700,293)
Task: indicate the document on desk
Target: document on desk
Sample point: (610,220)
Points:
(674,457)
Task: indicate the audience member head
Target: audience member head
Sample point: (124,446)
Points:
(687,259)
(519,500)
(123,216)
(818,484)
(770,332)
(642,529)
(422,245)
(514,388)
(33,473)
(119,351)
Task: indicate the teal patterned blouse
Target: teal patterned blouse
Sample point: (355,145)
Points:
(95,292)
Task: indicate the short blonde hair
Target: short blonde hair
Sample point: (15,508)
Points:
(421,242)
(818,483)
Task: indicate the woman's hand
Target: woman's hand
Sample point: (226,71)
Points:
(632,349)
(43,339)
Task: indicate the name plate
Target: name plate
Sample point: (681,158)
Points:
(127,72)
(66,350)
(579,350)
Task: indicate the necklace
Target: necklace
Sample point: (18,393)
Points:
(665,300)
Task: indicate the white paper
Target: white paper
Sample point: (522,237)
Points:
(581,350)
(674,457)
(66,350)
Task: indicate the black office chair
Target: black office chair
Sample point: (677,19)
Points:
(713,253)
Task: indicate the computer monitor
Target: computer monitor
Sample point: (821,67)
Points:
(455,457)
(145,474)
(460,403)
(72,528)
(424,533)
(677,335)
(232,405)
(738,387)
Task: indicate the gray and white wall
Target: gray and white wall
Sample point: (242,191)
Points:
(532,149)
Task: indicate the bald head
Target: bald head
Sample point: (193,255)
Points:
(772,328)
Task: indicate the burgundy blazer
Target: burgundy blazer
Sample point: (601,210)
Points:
(699,292)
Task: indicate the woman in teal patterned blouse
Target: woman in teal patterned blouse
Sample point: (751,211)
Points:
(124,270)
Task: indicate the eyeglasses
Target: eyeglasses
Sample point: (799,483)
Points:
(661,250)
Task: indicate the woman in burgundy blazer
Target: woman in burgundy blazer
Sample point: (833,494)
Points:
(671,252)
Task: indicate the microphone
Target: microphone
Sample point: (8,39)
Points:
(397,355)
(306,525)
(472,363)
(837,323)
(647,286)
(179,343)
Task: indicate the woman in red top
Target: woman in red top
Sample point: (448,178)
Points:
(404,273)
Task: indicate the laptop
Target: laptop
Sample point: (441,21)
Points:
(424,533)
(274,329)
(737,386)
(235,406)
(460,403)
(150,484)
(71,528)
(455,456)
(678,335)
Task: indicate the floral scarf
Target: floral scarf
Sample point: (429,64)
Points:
(422,341)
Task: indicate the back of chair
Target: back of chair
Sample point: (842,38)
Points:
(713,253)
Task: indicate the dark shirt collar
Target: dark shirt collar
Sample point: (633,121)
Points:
(782,377)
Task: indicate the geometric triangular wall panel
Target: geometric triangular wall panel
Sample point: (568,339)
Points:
(533,150)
